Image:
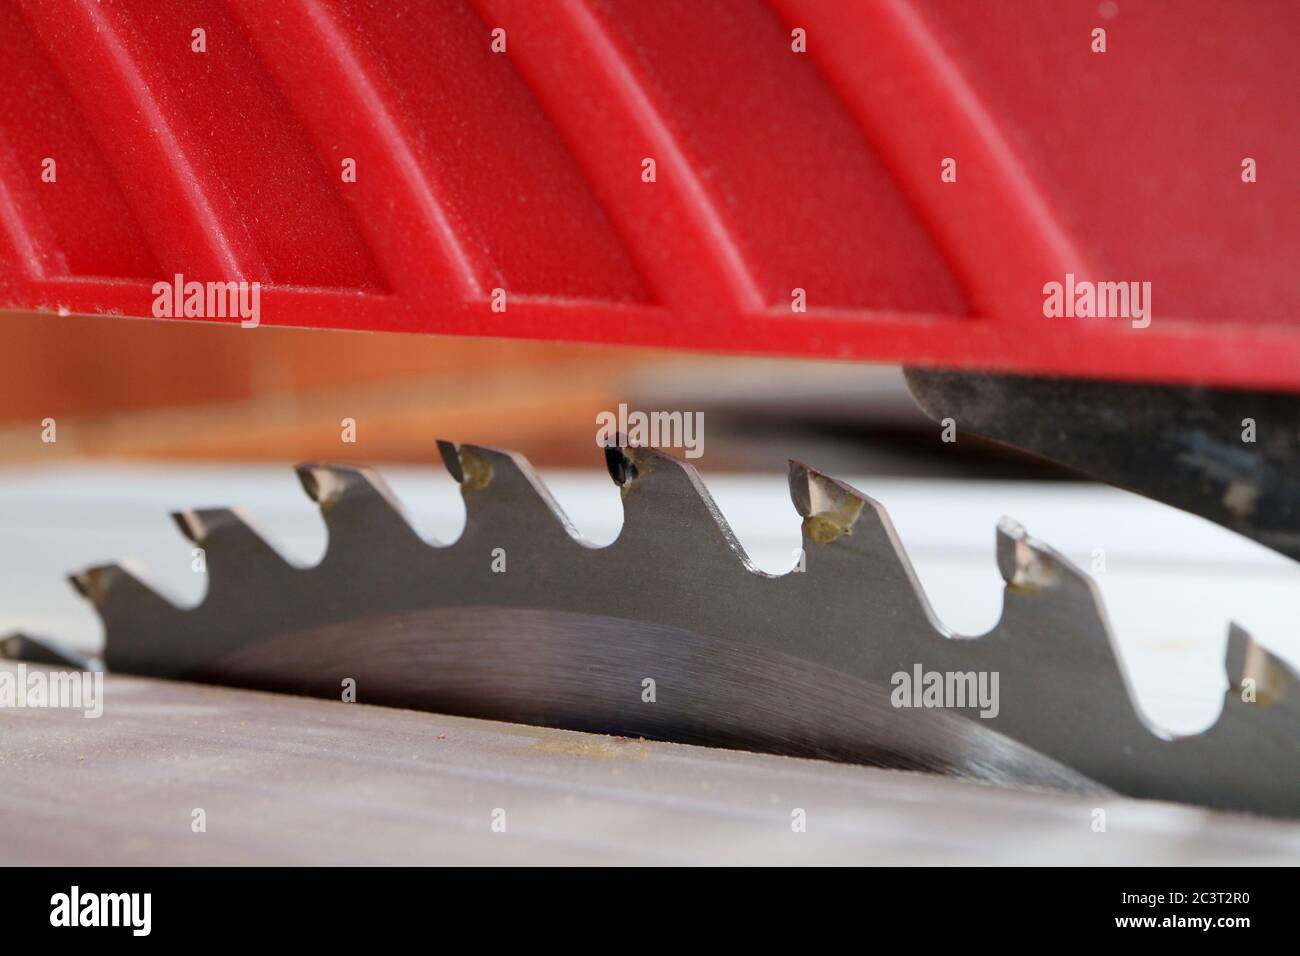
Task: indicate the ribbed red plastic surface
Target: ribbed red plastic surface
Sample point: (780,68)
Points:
(775,170)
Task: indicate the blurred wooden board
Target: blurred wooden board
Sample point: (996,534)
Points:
(142,389)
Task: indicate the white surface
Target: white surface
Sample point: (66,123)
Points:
(1171,582)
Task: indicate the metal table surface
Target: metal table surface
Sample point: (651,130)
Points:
(296,781)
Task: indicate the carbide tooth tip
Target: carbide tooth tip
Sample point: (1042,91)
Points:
(309,476)
(190,524)
(198,525)
(636,466)
(93,583)
(1239,648)
(1011,528)
(450,452)
(80,582)
(800,492)
(829,507)
(471,466)
(1247,660)
(325,484)
(642,456)
(618,464)
(1022,561)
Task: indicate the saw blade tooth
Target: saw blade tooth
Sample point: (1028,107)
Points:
(18,646)
(357,506)
(829,507)
(140,622)
(505,500)
(239,561)
(1027,563)
(451,459)
(667,509)
(848,536)
(1042,584)
(123,600)
(1252,667)
(221,528)
(104,584)
(329,484)
(1048,602)
(95,584)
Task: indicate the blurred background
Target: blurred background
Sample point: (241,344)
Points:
(137,389)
